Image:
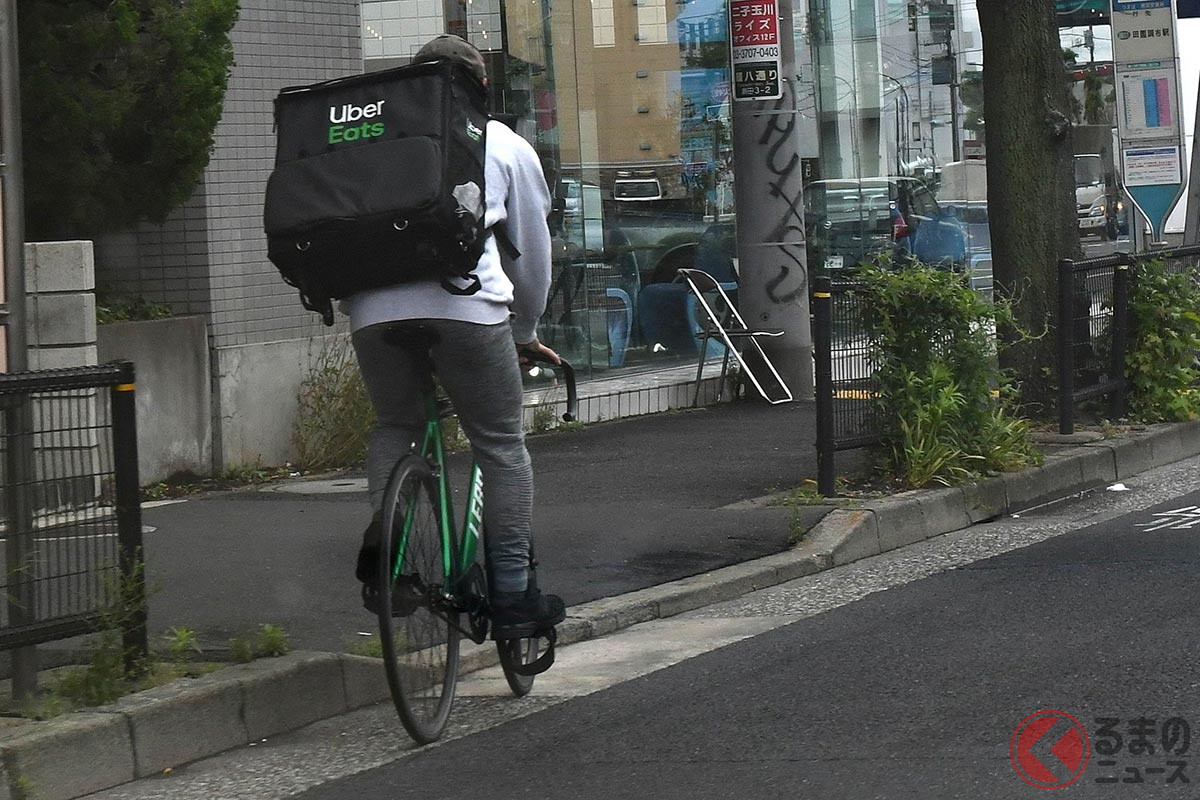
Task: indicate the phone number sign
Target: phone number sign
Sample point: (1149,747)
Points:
(754,39)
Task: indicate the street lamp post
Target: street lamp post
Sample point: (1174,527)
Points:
(902,126)
(853,121)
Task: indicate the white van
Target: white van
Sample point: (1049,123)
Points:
(637,189)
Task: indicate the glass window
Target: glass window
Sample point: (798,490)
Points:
(652,21)
(603,29)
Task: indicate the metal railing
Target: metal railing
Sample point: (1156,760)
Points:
(70,515)
(846,384)
(1094,325)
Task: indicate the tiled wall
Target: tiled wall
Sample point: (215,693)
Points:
(276,44)
(210,258)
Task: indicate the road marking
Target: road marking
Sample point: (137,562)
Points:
(1181,519)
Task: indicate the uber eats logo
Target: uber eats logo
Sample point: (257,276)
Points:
(351,123)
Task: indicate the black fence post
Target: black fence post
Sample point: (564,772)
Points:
(20,596)
(1066,346)
(132,591)
(822,314)
(1120,339)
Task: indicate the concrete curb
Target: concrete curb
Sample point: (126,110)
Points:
(239,705)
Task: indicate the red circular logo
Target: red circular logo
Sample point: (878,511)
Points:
(1049,749)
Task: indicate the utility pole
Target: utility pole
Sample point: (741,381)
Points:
(773,268)
(955,139)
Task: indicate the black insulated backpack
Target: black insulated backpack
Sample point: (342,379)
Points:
(378,180)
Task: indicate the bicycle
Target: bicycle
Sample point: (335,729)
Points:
(433,581)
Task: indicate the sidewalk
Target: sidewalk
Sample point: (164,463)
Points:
(636,519)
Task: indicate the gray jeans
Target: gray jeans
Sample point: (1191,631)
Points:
(477,367)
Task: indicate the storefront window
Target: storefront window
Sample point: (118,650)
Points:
(890,82)
(628,107)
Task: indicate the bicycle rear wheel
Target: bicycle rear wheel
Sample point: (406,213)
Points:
(418,623)
(516,652)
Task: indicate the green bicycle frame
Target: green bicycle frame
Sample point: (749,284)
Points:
(433,450)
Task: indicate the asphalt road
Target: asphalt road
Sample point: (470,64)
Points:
(912,692)
(905,675)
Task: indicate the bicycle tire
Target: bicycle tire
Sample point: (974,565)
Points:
(419,629)
(514,652)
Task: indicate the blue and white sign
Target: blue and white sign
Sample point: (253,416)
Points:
(1146,61)
(1188,8)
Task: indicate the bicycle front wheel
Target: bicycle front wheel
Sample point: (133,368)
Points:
(418,623)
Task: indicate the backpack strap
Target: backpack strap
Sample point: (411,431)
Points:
(504,242)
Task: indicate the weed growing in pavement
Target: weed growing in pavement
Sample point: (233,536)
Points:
(184,484)
(268,641)
(273,641)
(181,644)
(23,788)
(334,414)
(371,647)
(543,418)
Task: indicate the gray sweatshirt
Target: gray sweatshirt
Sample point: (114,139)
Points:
(516,196)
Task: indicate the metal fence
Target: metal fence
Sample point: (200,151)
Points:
(1094,324)
(69,509)
(846,385)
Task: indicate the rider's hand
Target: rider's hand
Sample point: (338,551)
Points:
(526,351)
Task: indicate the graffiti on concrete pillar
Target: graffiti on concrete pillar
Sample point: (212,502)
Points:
(783,162)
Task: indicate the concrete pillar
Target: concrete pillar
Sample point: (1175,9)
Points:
(60,283)
(60,289)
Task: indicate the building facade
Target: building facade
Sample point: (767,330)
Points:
(628,105)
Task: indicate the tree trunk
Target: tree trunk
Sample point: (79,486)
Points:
(1031,181)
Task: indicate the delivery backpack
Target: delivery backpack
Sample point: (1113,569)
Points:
(378,180)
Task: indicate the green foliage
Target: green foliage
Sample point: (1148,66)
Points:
(273,641)
(103,680)
(334,415)
(269,641)
(241,649)
(934,362)
(127,308)
(371,647)
(543,418)
(181,643)
(1161,367)
(119,103)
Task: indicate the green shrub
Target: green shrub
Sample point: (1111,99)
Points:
(1161,368)
(117,307)
(934,362)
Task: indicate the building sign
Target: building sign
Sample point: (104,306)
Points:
(754,39)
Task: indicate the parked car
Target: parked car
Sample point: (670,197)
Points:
(851,220)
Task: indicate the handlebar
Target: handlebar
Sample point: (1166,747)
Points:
(569,374)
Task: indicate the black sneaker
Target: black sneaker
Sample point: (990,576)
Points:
(367,568)
(523,615)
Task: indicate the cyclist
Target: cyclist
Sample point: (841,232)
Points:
(477,343)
